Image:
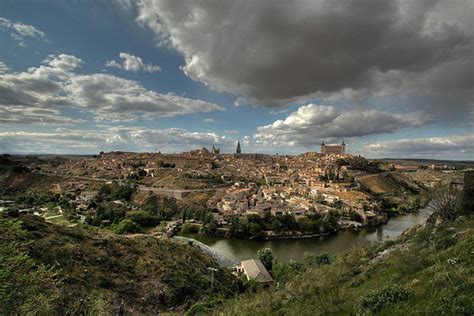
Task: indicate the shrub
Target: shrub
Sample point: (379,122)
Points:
(126,226)
(317,260)
(266,256)
(143,218)
(284,272)
(444,240)
(189,228)
(354,216)
(26,286)
(387,295)
(203,308)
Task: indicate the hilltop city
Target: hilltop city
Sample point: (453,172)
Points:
(305,195)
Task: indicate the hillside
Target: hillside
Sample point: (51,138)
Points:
(384,182)
(427,271)
(104,273)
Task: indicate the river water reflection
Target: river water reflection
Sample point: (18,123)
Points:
(295,249)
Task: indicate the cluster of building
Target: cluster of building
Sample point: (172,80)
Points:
(275,184)
(299,185)
(258,184)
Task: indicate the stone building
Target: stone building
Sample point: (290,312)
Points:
(333,148)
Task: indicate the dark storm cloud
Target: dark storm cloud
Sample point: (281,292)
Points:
(272,52)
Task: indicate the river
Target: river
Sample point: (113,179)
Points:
(296,249)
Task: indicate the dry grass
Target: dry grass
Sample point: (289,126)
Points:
(352,195)
(380,183)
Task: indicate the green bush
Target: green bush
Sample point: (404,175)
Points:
(189,228)
(266,256)
(385,296)
(203,308)
(284,272)
(126,226)
(27,287)
(354,216)
(317,260)
(144,219)
(444,241)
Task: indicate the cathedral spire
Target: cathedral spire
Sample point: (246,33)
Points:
(238,150)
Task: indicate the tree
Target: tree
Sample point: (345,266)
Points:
(266,256)
(446,201)
(354,216)
(121,192)
(162,206)
(209,229)
(276,225)
(26,287)
(288,222)
(284,272)
(468,192)
(126,226)
(256,230)
(143,218)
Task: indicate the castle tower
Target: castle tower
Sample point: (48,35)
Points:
(238,151)
(323,147)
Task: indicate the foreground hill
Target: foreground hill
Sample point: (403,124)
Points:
(427,271)
(76,270)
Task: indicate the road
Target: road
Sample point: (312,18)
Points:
(178,194)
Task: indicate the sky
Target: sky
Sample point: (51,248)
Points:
(389,78)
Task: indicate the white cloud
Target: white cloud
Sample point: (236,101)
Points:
(312,123)
(57,84)
(209,120)
(133,63)
(110,95)
(20,32)
(28,115)
(169,140)
(3,68)
(273,112)
(457,146)
(64,140)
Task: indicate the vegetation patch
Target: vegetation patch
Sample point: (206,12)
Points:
(385,296)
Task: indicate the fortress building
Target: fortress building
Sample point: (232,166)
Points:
(333,149)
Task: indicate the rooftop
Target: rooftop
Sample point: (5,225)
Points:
(255,270)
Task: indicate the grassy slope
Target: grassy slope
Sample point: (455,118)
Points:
(382,183)
(435,263)
(103,270)
(26,181)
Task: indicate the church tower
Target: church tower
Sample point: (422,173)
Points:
(238,151)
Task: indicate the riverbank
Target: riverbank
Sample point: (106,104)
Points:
(413,275)
(296,248)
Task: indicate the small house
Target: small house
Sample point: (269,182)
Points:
(254,269)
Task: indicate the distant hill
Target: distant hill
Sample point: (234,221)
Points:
(418,162)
